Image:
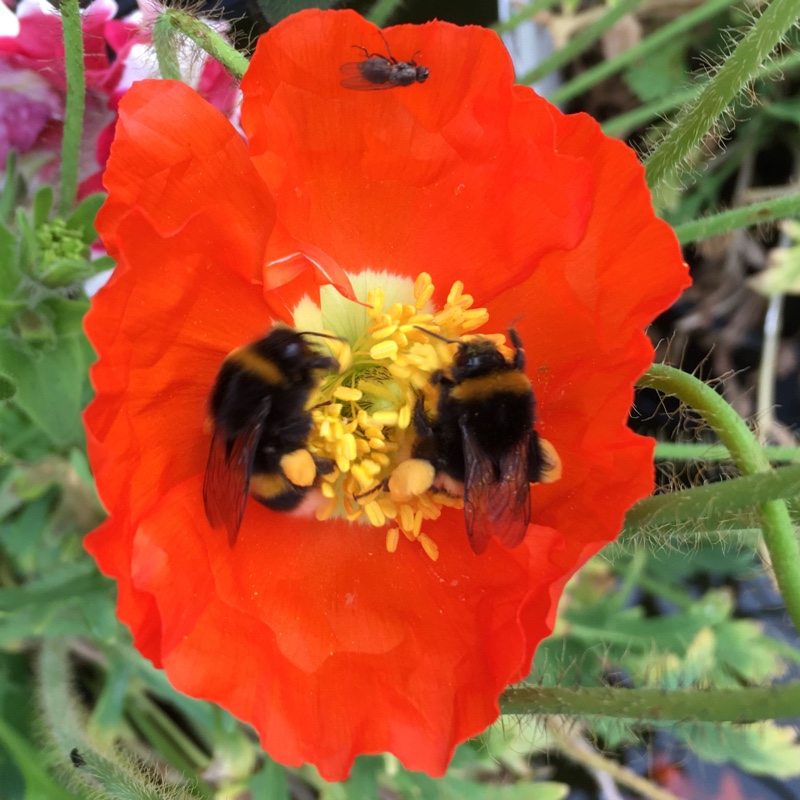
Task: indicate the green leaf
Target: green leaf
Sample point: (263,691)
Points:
(38,784)
(764,748)
(7,387)
(84,216)
(11,187)
(782,275)
(363,781)
(50,388)
(660,74)
(275,10)
(10,274)
(270,782)
(42,204)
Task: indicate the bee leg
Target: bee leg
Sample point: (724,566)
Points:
(544,463)
(422,424)
(324,465)
(519,353)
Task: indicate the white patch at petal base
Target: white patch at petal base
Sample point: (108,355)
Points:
(344,317)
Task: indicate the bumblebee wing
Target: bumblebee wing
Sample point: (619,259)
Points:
(227,478)
(495,506)
(354,78)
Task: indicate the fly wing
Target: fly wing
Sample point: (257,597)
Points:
(354,78)
(495,506)
(228,472)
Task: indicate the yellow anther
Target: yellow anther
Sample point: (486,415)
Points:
(448,315)
(362,447)
(375,514)
(348,394)
(382,459)
(373,433)
(407,520)
(399,371)
(362,476)
(370,467)
(349,447)
(429,546)
(325,429)
(376,297)
(342,462)
(392,539)
(299,467)
(417,523)
(454,294)
(327,490)
(384,333)
(385,418)
(387,349)
(375,443)
(388,507)
(404,417)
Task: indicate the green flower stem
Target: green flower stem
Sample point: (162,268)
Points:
(530,10)
(678,705)
(768,211)
(75,104)
(579,42)
(739,68)
(715,505)
(686,451)
(750,458)
(650,44)
(165,43)
(209,40)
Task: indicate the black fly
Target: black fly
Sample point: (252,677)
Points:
(377,71)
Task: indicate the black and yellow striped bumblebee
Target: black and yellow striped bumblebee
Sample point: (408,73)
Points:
(482,443)
(261,428)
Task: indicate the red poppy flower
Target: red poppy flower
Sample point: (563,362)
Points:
(312,629)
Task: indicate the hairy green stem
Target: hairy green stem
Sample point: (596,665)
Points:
(530,10)
(579,42)
(648,45)
(767,211)
(165,43)
(677,705)
(738,70)
(715,504)
(209,40)
(74,106)
(750,458)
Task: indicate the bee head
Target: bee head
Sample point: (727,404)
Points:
(295,356)
(477,358)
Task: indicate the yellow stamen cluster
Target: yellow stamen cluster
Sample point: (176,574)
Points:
(363,416)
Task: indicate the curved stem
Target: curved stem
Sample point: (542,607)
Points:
(739,68)
(750,458)
(207,39)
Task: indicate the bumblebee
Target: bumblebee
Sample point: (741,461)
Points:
(482,443)
(261,428)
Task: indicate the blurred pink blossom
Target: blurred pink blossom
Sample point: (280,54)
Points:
(33,84)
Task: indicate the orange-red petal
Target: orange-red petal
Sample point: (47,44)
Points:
(312,631)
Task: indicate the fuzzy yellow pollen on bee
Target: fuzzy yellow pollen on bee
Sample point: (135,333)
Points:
(364,414)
